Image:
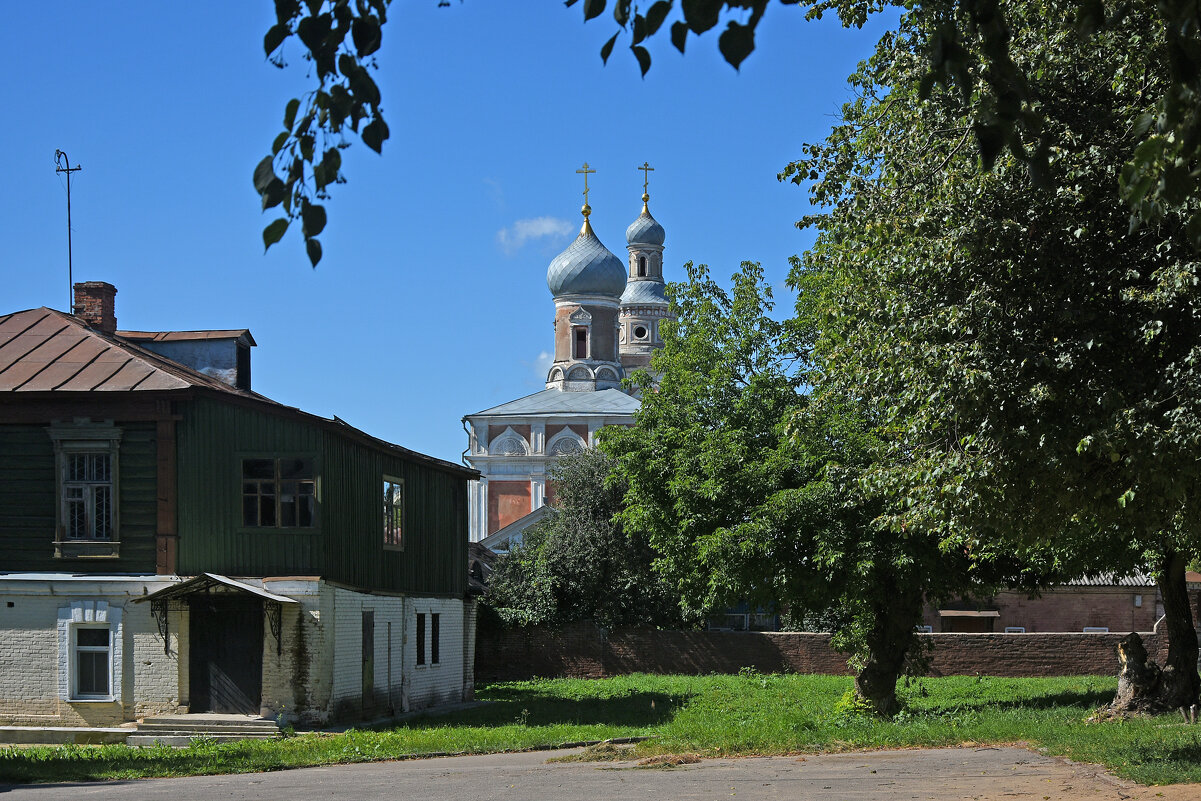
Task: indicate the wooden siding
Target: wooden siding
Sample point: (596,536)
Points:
(347,545)
(211,440)
(27,502)
(434,558)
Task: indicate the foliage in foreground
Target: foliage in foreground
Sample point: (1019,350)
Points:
(742,510)
(579,563)
(708,715)
(1031,358)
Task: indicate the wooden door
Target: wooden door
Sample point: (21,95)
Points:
(226,660)
(368,661)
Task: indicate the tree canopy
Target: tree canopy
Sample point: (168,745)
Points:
(1034,358)
(579,563)
(741,507)
(965,46)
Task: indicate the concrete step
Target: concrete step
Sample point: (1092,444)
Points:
(185,739)
(209,727)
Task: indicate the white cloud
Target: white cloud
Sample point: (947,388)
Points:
(512,239)
(539,368)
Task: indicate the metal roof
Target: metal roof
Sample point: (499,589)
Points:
(175,336)
(586,268)
(645,230)
(205,581)
(644,293)
(1135,579)
(553,402)
(44,350)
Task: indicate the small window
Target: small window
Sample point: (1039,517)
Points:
(640,332)
(1096,629)
(924,629)
(279,492)
(1015,629)
(394,512)
(420,638)
(642,266)
(581,342)
(93,659)
(435,627)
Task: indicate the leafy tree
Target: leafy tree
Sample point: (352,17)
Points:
(963,45)
(739,510)
(1034,359)
(579,563)
(339,39)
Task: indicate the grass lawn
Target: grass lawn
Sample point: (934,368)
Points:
(704,715)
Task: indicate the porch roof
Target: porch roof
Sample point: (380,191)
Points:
(208,580)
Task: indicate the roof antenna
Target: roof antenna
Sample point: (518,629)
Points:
(60,159)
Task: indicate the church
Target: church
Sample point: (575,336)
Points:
(607,319)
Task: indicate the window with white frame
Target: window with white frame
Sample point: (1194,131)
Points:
(394,512)
(89,641)
(1015,629)
(87,465)
(92,662)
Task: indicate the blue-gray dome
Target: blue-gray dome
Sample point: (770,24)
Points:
(586,268)
(644,293)
(645,230)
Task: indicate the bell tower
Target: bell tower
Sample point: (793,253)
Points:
(586,281)
(643,303)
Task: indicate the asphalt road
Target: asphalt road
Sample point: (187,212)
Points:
(939,774)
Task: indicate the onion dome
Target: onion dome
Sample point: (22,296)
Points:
(646,229)
(586,267)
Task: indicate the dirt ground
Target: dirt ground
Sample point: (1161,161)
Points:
(947,774)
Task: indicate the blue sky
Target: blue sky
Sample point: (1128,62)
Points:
(431,300)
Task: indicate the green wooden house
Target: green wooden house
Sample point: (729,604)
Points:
(175,542)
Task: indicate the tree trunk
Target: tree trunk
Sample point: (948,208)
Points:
(892,633)
(1145,687)
(1179,683)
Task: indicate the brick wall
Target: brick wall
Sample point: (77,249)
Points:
(1065,609)
(35,657)
(583,651)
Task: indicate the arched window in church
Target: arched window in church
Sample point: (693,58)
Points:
(581,342)
(642,266)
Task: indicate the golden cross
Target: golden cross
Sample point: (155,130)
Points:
(647,169)
(586,171)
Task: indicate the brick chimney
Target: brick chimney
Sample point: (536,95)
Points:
(94,304)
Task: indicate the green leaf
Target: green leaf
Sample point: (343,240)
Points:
(701,15)
(290,113)
(656,15)
(990,138)
(366,33)
(679,33)
(639,28)
(374,134)
(275,37)
(274,232)
(264,173)
(326,172)
(279,142)
(736,43)
(313,248)
(275,193)
(621,12)
(593,9)
(607,49)
(644,58)
(312,217)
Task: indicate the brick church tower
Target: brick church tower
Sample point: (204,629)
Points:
(606,323)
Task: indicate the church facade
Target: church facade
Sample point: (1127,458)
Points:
(607,318)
